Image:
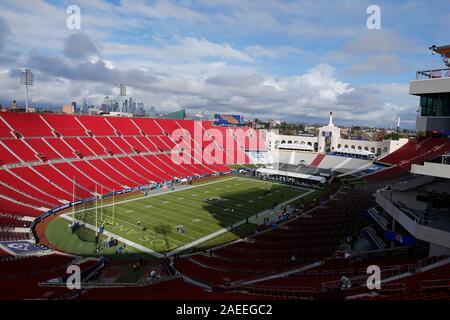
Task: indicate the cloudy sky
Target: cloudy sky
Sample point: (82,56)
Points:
(287,60)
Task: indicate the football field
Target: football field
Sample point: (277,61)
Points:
(171,219)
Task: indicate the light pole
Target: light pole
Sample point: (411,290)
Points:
(27,79)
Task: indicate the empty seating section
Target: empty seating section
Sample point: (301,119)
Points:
(115,174)
(81,179)
(318,160)
(109,145)
(147,126)
(61,147)
(9,221)
(122,145)
(6,157)
(418,151)
(22,276)
(139,169)
(96,175)
(19,184)
(9,235)
(45,157)
(119,166)
(44,184)
(163,167)
(79,148)
(97,125)
(21,150)
(148,162)
(17,208)
(160,143)
(43,149)
(145,141)
(5,131)
(166,126)
(93,145)
(167,141)
(135,145)
(181,168)
(124,125)
(28,124)
(65,183)
(9,192)
(66,126)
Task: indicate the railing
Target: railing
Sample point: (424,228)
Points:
(433,74)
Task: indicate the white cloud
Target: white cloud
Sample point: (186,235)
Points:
(277,52)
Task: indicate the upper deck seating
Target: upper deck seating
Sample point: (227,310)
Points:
(97,125)
(5,131)
(41,182)
(93,145)
(6,157)
(148,126)
(65,125)
(28,124)
(43,148)
(21,150)
(418,151)
(79,148)
(124,125)
(61,147)
(123,143)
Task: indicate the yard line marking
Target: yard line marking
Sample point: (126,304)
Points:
(156,195)
(223,230)
(119,238)
(160,216)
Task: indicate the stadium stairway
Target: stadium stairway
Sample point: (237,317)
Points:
(318,159)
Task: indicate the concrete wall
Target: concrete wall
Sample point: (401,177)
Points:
(432,123)
(418,87)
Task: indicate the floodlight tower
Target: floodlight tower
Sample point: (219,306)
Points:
(27,79)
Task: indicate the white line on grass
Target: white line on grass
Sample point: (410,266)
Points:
(223,230)
(154,195)
(119,238)
(193,243)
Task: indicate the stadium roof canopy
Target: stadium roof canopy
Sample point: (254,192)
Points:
(354,151)
(291,174)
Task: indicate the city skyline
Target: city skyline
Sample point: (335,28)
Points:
(285,57)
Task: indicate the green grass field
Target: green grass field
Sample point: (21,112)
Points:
(202,210)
